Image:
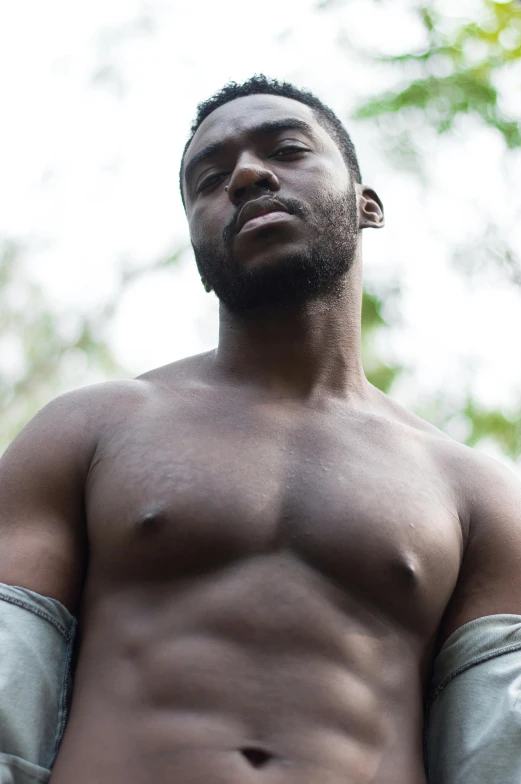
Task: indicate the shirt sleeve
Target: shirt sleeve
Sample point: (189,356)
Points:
(473,717)
(36,642)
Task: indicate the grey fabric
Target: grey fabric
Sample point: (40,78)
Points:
(14,770)
(36,643)
(473,719)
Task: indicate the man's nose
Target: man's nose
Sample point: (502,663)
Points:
(250,175)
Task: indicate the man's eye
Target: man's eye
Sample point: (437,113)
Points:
(288,150)
(209,181)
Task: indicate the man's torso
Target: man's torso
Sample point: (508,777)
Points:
(265,582)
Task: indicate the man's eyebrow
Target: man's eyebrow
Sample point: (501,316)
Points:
(286,124)
(207,152)
(270,126)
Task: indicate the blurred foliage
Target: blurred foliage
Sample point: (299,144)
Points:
(455,75)
(377,371)
(506,431)
(474,424)
(41,351)
(44,352)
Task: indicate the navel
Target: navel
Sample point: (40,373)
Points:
(256,756)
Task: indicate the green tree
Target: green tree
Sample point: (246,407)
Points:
(456,73)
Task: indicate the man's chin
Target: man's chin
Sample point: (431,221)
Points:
(270,253)
(255,302)
(271,284)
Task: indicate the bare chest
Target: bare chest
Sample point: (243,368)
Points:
(180,493)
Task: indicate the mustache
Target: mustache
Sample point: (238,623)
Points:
(293,206)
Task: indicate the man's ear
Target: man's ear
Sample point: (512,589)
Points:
(370,209)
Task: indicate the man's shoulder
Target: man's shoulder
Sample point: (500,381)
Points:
(71,423)
(421,429)
(488,496)
(95,405)
(89,404)
(176,375)
(492,490)
(473,474)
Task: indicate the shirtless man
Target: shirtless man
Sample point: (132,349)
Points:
(265,553)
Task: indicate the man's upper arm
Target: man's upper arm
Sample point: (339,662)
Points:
(42,478)
(490,577)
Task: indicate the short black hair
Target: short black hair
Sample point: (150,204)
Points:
(262,85)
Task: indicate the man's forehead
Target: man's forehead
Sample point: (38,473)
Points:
(235,118)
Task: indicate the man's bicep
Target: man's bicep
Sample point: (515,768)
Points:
(42,473)
(490,577)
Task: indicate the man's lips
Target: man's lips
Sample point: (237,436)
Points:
(257,208)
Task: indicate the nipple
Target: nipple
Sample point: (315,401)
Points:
(150,519)
(257,757)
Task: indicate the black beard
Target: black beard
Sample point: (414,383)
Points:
(294,279)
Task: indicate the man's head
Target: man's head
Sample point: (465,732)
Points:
(267,147)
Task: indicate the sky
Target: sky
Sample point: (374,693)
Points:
(99,99)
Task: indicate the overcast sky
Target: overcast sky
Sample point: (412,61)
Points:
(99,99)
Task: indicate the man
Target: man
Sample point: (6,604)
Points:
(264,552)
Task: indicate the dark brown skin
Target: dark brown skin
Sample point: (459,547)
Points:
(264,551)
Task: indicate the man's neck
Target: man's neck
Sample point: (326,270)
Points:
(304,351)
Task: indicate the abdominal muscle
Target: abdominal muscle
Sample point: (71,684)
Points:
(208,683)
